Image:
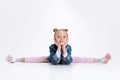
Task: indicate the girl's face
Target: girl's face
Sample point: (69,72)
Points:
(61,37)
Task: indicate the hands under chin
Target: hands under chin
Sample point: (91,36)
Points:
(61,47)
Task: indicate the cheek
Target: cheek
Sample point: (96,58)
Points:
(57,39)
(66,39)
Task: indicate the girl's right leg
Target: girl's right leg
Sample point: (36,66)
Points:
(13,60)
(28,59)
(43,59)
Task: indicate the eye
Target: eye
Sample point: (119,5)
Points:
(64,36)
(58,36)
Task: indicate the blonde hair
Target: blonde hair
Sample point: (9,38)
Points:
(55,30)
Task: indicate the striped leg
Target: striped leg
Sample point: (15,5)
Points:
(43,59)
(83,60)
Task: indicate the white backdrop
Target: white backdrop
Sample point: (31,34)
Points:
(26,29)
(26,26)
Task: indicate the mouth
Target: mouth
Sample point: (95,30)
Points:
(61,41)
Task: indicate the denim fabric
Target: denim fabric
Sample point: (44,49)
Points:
(62,60)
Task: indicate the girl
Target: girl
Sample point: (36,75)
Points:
(60,53)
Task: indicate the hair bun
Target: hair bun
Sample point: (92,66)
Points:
(66,30)
(55,29)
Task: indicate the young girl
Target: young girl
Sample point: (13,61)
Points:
(60,53)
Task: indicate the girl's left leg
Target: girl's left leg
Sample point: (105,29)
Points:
(92,60)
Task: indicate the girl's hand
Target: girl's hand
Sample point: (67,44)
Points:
(64,47)
(57,44)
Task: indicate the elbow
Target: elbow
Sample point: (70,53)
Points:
(54,62)
(69,62)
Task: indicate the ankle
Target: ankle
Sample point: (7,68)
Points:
(20,60)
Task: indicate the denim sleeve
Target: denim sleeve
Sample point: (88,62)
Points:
(53,57)
(68,59)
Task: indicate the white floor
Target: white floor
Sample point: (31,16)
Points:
(46,71)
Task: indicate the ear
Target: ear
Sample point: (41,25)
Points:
(54,40)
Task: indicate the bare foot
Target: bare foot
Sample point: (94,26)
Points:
(107,58)
(10,59)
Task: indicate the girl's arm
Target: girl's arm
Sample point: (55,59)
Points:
(54,55)
(66,57)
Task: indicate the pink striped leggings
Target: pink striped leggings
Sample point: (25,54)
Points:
(44,59)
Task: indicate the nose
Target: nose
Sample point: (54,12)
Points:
(61,38)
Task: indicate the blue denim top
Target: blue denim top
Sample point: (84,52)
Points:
(62,60)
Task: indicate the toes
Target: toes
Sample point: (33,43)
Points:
(9,59)
(108,56)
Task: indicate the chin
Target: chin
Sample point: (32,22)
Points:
(62,44)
